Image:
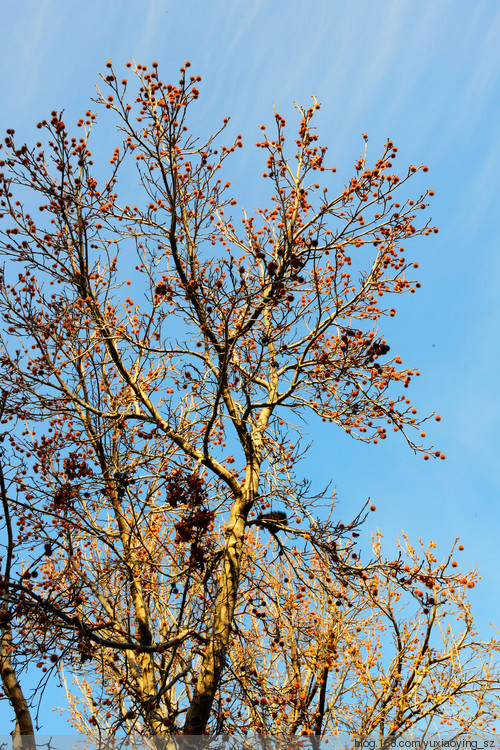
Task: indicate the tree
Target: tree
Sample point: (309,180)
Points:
(148,433)
(23,733)
(390,649)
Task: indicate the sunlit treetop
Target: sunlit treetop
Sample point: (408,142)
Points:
(278,311)
(161,349)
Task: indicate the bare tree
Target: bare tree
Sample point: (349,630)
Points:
(150,431)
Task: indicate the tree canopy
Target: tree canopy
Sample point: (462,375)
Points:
(161,352)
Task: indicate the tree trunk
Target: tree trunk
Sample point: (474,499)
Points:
(23,735)
(215,657)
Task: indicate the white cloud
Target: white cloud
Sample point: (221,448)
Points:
(484,79)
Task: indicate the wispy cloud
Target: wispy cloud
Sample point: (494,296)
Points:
(34,43)
(482,77)
(154,21)
(480,194)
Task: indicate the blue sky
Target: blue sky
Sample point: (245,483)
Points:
(425,74)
